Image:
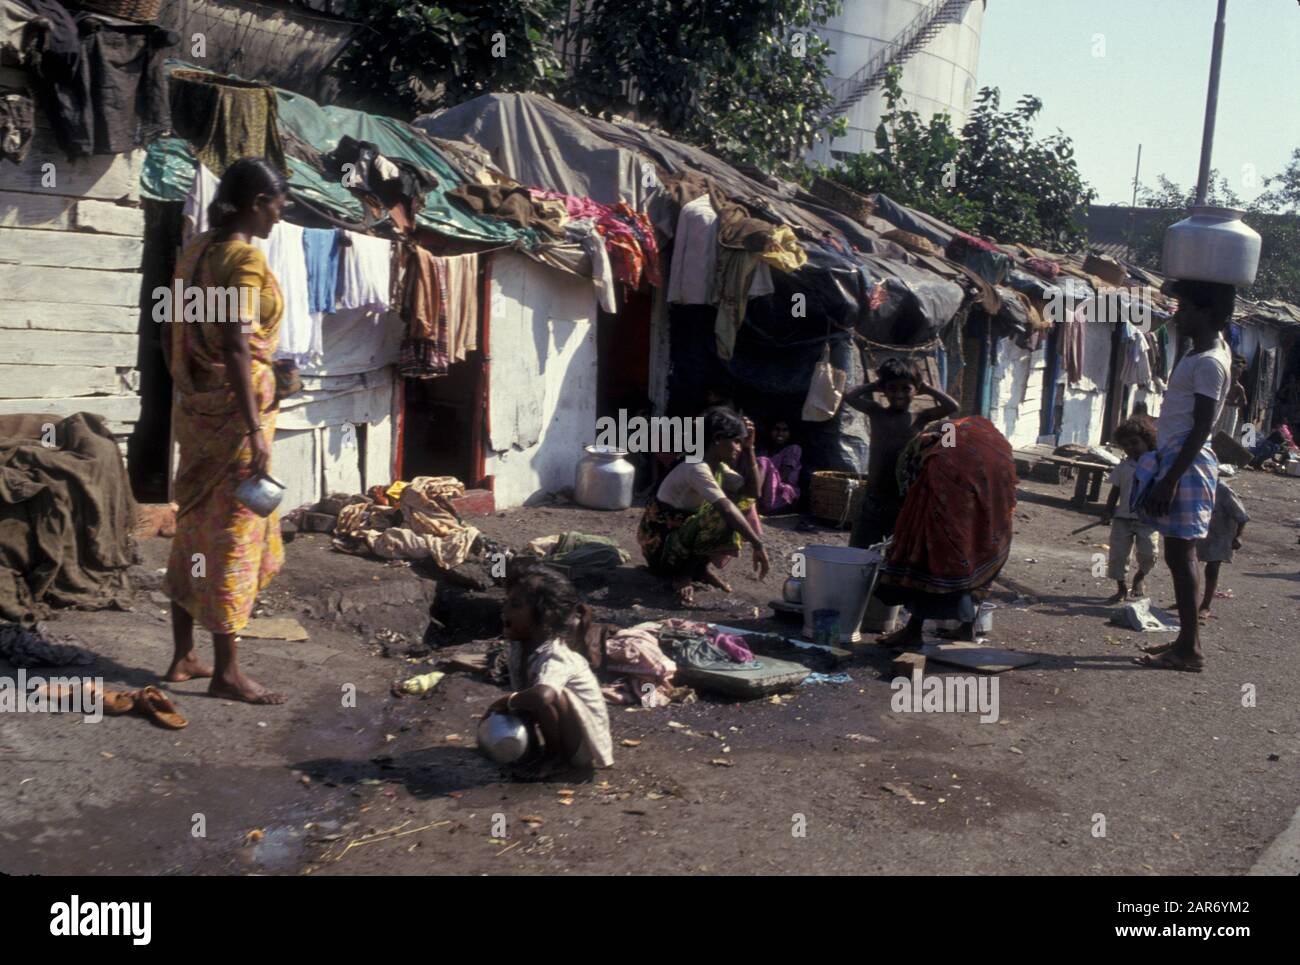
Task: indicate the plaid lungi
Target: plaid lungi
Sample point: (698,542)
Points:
(1193,502)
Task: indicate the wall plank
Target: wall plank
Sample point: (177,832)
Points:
(108,176)
(109,219)
(80,286)
(117,409)
(28,347)
(70,249)
(52,316)
(49,212)
(57,381)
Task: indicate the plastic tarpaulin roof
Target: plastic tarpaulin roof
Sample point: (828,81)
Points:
(544,144)
(169,169)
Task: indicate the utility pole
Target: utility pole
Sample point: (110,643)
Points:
(1132,213)
(1211,107)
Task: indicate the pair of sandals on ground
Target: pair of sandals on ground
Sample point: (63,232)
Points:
(149,702)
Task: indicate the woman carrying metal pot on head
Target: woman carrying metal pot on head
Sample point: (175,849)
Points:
(219,348)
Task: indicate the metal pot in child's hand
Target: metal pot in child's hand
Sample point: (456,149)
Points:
(261,493)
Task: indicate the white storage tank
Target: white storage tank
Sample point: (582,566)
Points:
(938,76)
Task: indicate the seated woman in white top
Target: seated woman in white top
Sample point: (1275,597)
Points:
(704,511)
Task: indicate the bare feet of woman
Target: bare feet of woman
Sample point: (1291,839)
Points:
(707,575)
(1139,589)
(236,686)
(685,590)
(186,668)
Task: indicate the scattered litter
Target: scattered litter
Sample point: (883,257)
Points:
(630,742)
(863,738)
(1030,559)
(903,792)
(826,678)
(422,684)
(1223,594)
(254,836)
(721,762)
(275,628)
(1141,615)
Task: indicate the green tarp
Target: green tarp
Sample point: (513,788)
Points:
(169,168)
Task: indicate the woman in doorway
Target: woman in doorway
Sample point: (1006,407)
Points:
(781,469)
(224,419)
(953,535)
(703,512)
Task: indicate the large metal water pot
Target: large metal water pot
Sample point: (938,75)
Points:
(1213,244)
(604,479)
(838,578)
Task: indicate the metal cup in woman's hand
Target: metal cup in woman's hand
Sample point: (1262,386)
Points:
(261,493)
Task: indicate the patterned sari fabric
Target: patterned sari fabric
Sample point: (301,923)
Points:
(677,541)
(954,531)
(223,552)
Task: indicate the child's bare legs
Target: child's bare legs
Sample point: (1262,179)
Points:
(1140,581)
(1211,584)
(552,713)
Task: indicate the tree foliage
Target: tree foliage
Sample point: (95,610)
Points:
(741,78)
(744,79)
(1274,214)
(416,56)
(995,178)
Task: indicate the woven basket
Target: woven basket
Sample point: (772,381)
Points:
(844,200)
(836,497)
(144,11)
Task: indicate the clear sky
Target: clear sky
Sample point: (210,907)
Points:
(1143,80)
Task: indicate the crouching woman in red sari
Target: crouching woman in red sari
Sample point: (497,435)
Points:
(953,536)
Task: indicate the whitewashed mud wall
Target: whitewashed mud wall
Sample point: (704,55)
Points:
(542,396)
(70,252)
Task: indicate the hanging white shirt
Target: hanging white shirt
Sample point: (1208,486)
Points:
(194,215)
(367,268)
(288,262)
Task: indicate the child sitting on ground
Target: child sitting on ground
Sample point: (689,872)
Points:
(781,467)
(1135,436)
(892,427)
(1226,526)
(555,692)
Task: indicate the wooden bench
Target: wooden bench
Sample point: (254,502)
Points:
(1088,478)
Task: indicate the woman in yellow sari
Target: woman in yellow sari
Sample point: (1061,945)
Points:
(224,418)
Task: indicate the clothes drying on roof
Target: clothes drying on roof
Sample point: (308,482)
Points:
(425,348)
(585,233)
(194,211)
(224,119)
(101,80)
(461,307)
(300,338)
(695,254)
(366,272)
(321,247)
(510,202)
(395,182)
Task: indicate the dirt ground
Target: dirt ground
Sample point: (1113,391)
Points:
(348,779)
